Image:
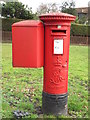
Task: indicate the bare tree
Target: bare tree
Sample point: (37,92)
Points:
(68,7)
(42,9)
(47,8)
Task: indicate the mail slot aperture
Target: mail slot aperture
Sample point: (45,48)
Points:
(59,31)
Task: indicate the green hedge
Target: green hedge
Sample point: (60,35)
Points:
(7,23)
(79,29)
(76,29)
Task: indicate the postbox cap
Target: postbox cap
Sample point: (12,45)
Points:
(57,16)
(28,23)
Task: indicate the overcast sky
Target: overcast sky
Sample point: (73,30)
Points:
(35,3)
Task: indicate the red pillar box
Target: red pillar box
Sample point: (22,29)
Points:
(57,39)
(28,44)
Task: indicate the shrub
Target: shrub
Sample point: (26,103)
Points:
(79,29)
(7,23)
(76,29)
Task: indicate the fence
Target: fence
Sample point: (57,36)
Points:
(80,40)
(6,36)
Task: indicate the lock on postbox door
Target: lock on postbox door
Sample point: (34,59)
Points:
(28,44)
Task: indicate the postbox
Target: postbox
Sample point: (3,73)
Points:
(57,39)
(28,44)
(56,57)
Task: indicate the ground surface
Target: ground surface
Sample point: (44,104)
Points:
(22,88)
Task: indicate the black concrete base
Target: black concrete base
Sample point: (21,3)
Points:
(54,104)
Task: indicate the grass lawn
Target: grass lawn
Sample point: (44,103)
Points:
(22,88)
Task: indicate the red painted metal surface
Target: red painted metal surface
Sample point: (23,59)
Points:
(28,44)
(57,27)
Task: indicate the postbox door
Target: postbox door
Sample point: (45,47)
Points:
(57,52)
